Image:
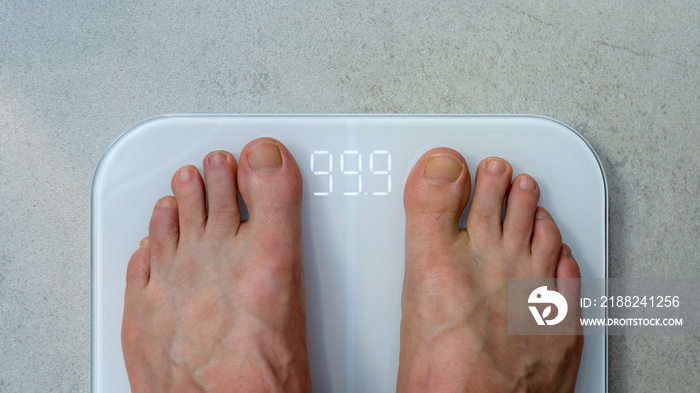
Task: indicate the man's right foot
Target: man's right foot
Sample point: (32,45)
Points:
(454,329)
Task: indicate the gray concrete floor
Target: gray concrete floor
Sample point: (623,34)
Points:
(75,74)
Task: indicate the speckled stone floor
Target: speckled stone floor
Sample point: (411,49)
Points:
(75,74)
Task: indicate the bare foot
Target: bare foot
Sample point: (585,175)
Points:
(215,304)
(454,328)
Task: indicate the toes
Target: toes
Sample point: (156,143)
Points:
(138,270)
(568,279)
(188,188)
(546,242)
(490,187)
(567,267)
(164,231)
(222,197)
(271,187)
(520,212)
(436,192)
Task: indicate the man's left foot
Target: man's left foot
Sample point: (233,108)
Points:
(215,304)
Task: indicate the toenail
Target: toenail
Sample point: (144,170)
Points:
(542,214)
(185,174)
(526,183)
(164,203)
(265,157)
(443,169)
(217,158)
(565,251)
(496,165)
(144,242)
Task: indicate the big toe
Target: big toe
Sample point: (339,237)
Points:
(270,184)
(436,193)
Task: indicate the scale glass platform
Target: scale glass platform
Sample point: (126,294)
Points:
(354,169)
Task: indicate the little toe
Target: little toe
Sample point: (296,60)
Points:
(568,275)
(222,195)
(271,187)
(520,212)
(567,267)
(546,243)
(138,270)
(436,193)
(490,187)
(189,191)
(163,230)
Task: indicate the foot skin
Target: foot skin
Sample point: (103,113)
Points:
(214,304)
(454,327)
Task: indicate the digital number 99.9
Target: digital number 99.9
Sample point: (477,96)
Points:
(377,180)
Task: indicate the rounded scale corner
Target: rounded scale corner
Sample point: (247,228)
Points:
(131,129)
(565,126)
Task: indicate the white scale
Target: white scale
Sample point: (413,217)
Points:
(354,169)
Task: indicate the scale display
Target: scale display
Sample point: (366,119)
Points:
(354,168)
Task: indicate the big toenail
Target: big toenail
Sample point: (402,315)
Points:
(217,158)
(443,169)
(526,183)
(185,174)
(496,165)
(265,157)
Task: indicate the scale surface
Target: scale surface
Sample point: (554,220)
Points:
(354,169)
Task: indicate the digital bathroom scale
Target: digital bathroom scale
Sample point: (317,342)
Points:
(354,169)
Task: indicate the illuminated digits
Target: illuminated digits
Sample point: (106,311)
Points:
(381,171)
(350,171)
(322,172)
(321,164)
